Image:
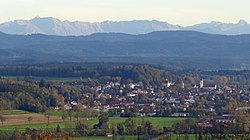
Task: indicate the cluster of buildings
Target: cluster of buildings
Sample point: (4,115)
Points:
(183,102)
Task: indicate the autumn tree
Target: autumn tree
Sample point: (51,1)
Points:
(120,129)
(130,125)
(82,129)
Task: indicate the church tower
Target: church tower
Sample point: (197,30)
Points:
(182,84)
(201,83)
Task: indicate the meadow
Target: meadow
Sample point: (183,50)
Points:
(19,121)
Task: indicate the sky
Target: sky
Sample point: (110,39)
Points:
(182,12)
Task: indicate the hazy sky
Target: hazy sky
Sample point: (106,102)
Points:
(183,12)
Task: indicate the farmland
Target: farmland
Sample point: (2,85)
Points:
(40,121)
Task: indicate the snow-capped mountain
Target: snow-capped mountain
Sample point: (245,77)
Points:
(242,27)
(53,26)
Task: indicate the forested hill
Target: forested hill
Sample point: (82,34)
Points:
(185,49)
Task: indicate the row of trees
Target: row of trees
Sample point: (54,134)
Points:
(142,130)
(81,128)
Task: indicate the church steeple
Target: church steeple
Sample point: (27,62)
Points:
(201,83)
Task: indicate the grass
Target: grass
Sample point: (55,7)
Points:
(107,138)
(188,136)
(156,121)
(173,137)
(59,113)
(206,136)
(13,112)
(42,126)
(93,138)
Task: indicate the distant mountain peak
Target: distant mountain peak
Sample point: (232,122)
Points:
(36,17)
(215,27)
(216,23)
(54,26)
(242,22)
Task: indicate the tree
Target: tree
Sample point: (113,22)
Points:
(17,135)
(64,116)
(139,132)
(42,83)
(120,129)
(58,131)
(47,115)
(4,135)
(142,98)
(28,137)
(186,126)
(70,114)
(77,115)
(82,129)
(29,119)
(103,119)
(130,125)
(2,118)
(79,109)
(147,127)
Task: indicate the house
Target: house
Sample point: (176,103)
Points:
(73,103)
(181,115)
(172,101)
(228,90)
(67,107)
(243,108)
(209,86)
(227,119)
(109,135)
(132,86)
(169,83)
(127,104)
(205,124)
(206,86)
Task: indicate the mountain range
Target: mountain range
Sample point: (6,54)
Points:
(187,49)
(53,26)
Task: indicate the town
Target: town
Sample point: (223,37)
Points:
(203,100)
(139,101)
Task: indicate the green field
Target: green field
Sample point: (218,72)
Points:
(36,126)
(13,112)
(156,121)
(93,138)
(107,138)
(173,137)
(60,113)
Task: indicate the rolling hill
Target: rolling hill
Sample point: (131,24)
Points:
(186,49)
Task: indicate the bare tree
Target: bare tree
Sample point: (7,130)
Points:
(29,119)
(2,118)
(47,115)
